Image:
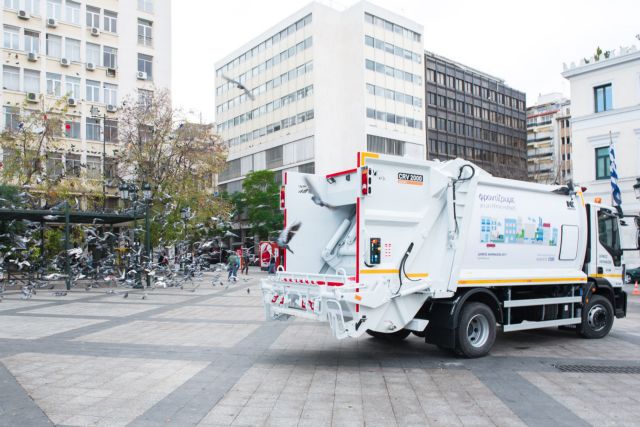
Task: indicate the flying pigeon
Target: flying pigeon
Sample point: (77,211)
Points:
(315,195)
(287,234)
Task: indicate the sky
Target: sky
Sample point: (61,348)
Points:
(523,42)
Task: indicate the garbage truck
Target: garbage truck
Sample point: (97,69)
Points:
(445,251)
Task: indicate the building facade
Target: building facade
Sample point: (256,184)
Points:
(605,99)
(549,139)
(95,53)
(472,115)
(316,88)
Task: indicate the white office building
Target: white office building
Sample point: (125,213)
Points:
(605,103)
(96,52)
(319,86)
(549,139)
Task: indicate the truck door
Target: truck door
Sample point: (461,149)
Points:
(608,252)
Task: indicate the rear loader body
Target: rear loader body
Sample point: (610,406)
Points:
(444,250)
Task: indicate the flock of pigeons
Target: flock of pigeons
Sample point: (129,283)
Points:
(101,257)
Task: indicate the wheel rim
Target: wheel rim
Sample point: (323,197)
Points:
(478,330)
(628,278)
(597,318)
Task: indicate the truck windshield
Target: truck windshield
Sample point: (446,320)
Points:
(609,235)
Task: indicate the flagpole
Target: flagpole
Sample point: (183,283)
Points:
(616,198)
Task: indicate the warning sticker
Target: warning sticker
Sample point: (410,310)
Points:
(410,178)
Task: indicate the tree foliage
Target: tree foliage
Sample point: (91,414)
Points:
(261,199)
(179,159)
(27,140)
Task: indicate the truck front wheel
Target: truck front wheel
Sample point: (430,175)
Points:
(598,318)
(476,330)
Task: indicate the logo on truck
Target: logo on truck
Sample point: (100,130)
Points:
(410,178)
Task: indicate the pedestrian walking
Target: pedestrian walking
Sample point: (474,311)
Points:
(272,265)
(232,264)
(245,262)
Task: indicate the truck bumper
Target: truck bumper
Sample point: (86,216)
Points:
(320,297)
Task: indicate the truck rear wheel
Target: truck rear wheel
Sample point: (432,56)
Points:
(476,331)
(391,336)
(598,318)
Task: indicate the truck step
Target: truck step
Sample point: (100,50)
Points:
(541,301)
(542,324)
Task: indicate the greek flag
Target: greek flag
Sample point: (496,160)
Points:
(613,172)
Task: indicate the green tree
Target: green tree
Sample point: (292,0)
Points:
(31,134)
(262,201)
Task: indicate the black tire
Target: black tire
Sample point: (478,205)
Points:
(597,319)
(476,330)
(391,336)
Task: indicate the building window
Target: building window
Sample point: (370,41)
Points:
(11,118)
(110,57)
(144,32)
(72,12)
(93,129)
(93,54)
(379,144)
(145,64)
(94,166)
(54,9)
(72,129)
(72,49)
(11,37)
(31,41)
(274,157)
(307,168)
(73,164)
(145,97)
(12,4)
(55,167)
(110,94)
(54,46)
(54,84)
(32,6)
(602,163)
(10,77)
(145,6)
(110,21)
(602,98)
(32,81)
(110,130)
(72,87)
(93,17)
(93,91)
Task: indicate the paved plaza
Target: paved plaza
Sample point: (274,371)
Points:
(205,356)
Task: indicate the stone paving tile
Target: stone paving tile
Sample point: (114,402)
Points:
(105,309)
(352,395)
(172,334)
(13,304)
(243,300)
(47,295)
(16,327)
(152,297)
(614,398)
(215,313)
(564,344)
(82,390)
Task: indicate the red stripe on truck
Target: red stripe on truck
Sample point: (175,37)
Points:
(347,172)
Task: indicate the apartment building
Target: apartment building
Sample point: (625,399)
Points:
(475,116)
(319,86)
(93,52)
(549,139)
(605,99)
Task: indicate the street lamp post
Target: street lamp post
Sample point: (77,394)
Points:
(95,113)
(185,214)
(146,195)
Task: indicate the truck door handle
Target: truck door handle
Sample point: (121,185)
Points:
(600,270)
